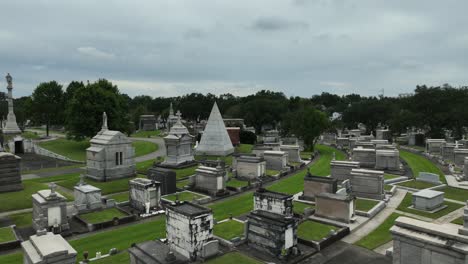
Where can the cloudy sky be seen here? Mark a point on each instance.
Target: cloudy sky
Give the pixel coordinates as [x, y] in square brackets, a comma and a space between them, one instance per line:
[299, 47]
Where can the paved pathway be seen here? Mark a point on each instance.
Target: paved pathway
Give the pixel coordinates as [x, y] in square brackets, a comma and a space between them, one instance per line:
[151, 156]
[368, 227]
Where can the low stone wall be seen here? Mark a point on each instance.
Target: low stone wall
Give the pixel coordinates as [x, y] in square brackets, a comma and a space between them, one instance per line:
[10, 245]
[106, 224]
[325, 242]
[44, 152]
[372, 212]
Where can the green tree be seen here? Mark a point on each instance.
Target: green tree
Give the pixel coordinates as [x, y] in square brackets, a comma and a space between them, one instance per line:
[47, 104]
[84, 110]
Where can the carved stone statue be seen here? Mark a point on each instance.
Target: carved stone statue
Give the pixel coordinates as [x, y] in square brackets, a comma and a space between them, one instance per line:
[9, 80]
[104, 121]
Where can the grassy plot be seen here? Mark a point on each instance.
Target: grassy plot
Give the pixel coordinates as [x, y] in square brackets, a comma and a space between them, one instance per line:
[272, 172]
[416, 184]
[229, 229]
[322, 166]
[146, 134]
[236, 206]
[306, 155]
[185, 172]
[458, 221]
[30, 135]
[13, 258]
[21, 219]
[183, 196]
[390, 176]
[109, 187]
[102, 216]
[380, 235]
[233, 258]
[236, 183]
[244, 148]
[365, 204]
[407, 202]
[311, 230]
[6, 235]
[144, 147]
[388, 187]
[419, 164]
[181, 184]
[456, 194]
[299, 207]
[119, 197]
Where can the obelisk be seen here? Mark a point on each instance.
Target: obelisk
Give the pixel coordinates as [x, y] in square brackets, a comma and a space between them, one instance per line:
[11, 127]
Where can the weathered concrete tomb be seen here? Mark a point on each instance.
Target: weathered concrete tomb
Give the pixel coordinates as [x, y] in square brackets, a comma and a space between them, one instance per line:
[294, 153]
[315, 185]
[335, 207]
[459, 156]
[178, 145]
[249, 167]
[144, 194]
[166, 178]
[367, 184]
[189, 230]
[48, 248]
[387, 159]
[271, 136]
[428, 200]
[342, 142]
[10, 176]
[416, 241]
[365, 157]
[148, 123]
[111, 155]
[276, 160]
[215, 140]
[210, 179]
[433, 145]
[273, 202]
[155, 252]
[447, 151]
[52, 206]
[383, 134]
[341, 169]
[87, 197]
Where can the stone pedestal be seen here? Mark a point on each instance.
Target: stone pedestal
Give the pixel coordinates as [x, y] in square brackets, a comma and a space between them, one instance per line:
[10, 176]
[11, 127]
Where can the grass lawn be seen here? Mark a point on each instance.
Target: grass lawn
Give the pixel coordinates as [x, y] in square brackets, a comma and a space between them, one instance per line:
[6, 235]
[311, 230]
[419, 164]
[146, 134]
[271, 172]
[236, 206]
[306, 155]
[233, 258]
[181, 184]
[185, 172]
[380, 235]
[390, 176]
[388, 187]
[456, 194]
[416, 184]
[227, 159]
[183, 196]
[458, 221]
[143, 166]
[229, 229]
[13, 258]
[299, 207]
[365, 204]
[102, 216]
[119, 197]
[21, 219]
[30, 135]
[109, 187]
[236, 183]
[76, 150]
[407, 201]
[244, 148]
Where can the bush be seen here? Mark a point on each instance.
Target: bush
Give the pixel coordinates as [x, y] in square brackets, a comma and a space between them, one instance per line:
[247, 137]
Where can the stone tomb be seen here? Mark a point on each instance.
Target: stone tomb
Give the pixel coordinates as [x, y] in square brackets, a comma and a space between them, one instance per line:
[387, 159]
[271, 136]
[259, 150]
[87, 197]
[166, 178]
[144, 194]
[448, 151]
[274, 202]
[210, 179]
[465, 169]
[276, 160]
[429, 177]
[294, 153]
[364, 144]
[53, 206]
[111, 155]
[342, 142]
[378, 142]
[148, 123]
[155, 252]
[383, 134]
[416, 241]
[315, 185]
[189, 230]
[341, 169]
[178, 144]
[367, 184]
[48, 248]
[10, 176]
[335, 207]
[433, 145]
[428, 200]
[365, 157]
[249, 167]
[459, 156]
[415, 139]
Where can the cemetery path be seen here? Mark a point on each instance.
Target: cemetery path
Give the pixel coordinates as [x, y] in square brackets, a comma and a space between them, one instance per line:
[151, 156]
[450, 216]
[42, 132]
[383, 248]
[375, 222]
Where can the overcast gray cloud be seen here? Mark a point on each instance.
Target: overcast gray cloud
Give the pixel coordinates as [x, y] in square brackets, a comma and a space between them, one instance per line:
[167, 48]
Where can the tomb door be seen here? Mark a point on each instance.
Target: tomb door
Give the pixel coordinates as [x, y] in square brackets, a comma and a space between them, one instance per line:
[54, 216]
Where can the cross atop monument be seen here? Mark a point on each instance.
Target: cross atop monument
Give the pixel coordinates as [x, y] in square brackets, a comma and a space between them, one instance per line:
[104, 121]
[82, 182]
[178, 114]
[9, 80]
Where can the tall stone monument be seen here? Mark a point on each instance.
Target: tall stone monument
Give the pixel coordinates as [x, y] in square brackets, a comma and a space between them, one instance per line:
[11, 127]
[215, 139]
[178, 145]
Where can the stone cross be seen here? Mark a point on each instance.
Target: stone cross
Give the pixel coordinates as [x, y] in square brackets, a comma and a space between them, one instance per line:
[41, 223]
[104, 121]
[82, 182]
[52, 187]
[178, 114]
